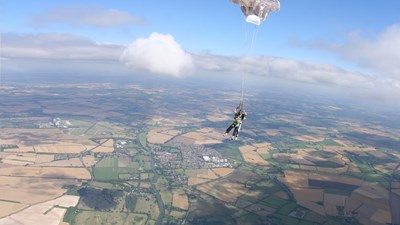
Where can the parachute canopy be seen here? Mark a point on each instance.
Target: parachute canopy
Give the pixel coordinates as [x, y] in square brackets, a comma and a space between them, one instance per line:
[256, 11]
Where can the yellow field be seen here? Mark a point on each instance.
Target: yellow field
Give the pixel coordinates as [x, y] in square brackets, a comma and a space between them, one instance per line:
[348, 180]
[308, 138]
[371, 131]
[74, 162]
[250, 155]
[144, 185]
[382, 216]
[205, 136]
[43, 158]
[28, 157]
[11, 135]
[222, 172]
[180, 199]
[370, 196]
[332, 199]
[32, 190]
[60, 148]
[330, 210]
[207, 174]
[194, 181]
[57, 172]
[6, 208]
[177, 214]
[107, 146]
[295, 179]
[16, 162]
[313, 207]
[303, 194]
[103, 149]
[372, 191]
[43, 213]
[218, 118]
[272, 132]
[161, 136]
[223, 190]
[166, 122]
[89, 160]
[353, 168]
[198, 176]
[21, 149]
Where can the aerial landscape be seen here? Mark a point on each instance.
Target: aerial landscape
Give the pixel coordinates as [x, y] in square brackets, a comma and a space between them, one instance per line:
[95, 155]
[97, 131]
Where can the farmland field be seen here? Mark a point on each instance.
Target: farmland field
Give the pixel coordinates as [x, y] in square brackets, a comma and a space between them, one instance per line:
[156, 154]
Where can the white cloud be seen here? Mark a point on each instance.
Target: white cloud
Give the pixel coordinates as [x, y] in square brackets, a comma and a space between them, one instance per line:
[294, 71]
[56, 46]
[379, 53]
[307, 72]
[159, 53]
[85, 15]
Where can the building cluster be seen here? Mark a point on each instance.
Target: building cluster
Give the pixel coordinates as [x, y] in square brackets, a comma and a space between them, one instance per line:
[120, 144]
[167, 159]
[59, 123]
[299, 212]
[177, 156]
[190, 157]
[215, 161]
[45, 125]
[7, 146]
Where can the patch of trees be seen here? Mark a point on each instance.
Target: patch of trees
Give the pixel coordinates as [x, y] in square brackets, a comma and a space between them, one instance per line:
[99, 199]
[130, 202]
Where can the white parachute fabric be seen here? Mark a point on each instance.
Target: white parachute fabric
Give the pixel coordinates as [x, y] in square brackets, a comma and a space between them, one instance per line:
[256, 11]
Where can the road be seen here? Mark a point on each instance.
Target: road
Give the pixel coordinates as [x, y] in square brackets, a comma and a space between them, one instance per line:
[156, 192]
[160, 202]
[394, 200]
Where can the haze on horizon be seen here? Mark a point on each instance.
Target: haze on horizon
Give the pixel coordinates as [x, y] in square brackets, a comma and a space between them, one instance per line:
[346, 48]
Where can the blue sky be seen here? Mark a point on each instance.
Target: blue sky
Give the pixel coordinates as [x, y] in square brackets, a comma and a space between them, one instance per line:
[332, 43]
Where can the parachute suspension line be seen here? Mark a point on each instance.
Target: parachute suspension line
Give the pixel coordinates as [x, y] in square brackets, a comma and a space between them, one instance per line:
[250, 49]
[246, 47]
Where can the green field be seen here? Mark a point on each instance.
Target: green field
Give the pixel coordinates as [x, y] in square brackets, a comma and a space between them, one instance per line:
[107, 170]
[70, 214]
[108, 162]
[106, 173]
[95, 217]
[166, 196]
[147, 205]
[229, 150]
[143, 139]
[136, 219]
[274, 202]
[286, 209]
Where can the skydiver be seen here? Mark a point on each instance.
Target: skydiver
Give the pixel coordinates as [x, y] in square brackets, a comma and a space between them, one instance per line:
[240, 116]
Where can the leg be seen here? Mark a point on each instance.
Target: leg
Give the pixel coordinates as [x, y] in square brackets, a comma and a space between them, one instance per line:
[229, 128]
[236, 132]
